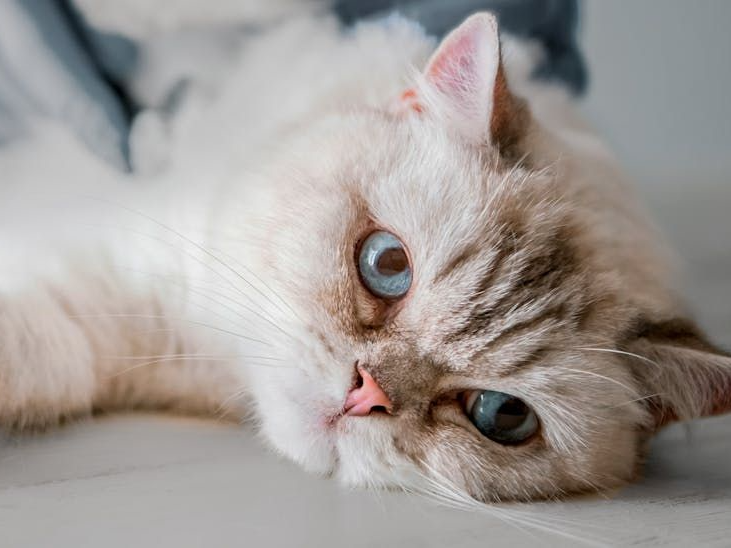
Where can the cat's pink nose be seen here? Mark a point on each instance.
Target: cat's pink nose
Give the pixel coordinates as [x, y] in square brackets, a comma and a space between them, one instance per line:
[367, 396]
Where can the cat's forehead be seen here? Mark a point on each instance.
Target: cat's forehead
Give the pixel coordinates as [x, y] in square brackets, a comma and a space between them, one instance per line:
[449, 202]
[467, 220]
[419, 180]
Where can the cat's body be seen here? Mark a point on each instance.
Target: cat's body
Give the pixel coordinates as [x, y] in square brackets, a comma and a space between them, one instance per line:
[230, 285]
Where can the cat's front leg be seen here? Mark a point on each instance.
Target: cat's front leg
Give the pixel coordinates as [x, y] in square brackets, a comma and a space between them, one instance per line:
[46, 362]
[65, 354]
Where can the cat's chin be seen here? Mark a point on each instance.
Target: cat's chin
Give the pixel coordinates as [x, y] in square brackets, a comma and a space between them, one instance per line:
[358, 451]
[368, 457]
[302, 416]
[310, 446]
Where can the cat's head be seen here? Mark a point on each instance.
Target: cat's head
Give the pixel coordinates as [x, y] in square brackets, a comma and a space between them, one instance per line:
[455, 312]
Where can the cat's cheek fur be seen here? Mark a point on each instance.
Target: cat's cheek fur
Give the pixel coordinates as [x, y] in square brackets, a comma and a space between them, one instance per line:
[369, 457]
[301, 418]
[294, 435]
[298, 399]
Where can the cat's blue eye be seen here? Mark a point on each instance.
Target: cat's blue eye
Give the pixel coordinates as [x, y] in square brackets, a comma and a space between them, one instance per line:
[501, 417]
[384, 265]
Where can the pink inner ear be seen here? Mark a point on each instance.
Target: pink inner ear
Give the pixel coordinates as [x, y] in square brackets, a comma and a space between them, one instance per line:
[464, 70]
[453, 71]
[464, 83]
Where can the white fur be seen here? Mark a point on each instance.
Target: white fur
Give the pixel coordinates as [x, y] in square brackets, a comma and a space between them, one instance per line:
[202, 264]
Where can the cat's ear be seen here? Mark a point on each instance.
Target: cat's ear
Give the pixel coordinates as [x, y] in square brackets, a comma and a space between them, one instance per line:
[683, 375]
[465, 83]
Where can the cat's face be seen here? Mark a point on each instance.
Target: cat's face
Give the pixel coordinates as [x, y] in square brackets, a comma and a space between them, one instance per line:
[465, 292]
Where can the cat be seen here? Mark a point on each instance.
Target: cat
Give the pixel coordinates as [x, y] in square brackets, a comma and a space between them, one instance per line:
[434, 281]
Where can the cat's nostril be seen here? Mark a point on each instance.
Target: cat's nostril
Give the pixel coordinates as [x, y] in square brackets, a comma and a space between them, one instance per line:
[366, 396]
[358, 378]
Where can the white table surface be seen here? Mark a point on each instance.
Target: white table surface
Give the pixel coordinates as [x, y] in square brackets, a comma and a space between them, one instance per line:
[156, 481]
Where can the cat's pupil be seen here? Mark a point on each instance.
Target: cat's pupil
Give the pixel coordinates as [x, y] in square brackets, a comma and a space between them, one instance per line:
[501, 417]
[392, 261]
[511, 414]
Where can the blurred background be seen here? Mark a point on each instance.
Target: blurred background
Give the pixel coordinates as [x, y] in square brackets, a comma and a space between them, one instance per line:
[660, 77]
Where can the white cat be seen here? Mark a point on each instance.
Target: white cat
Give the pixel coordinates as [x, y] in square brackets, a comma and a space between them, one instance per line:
[411, 280]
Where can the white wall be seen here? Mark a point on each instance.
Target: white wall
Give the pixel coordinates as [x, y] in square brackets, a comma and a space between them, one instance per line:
[661, 82]
[660, 94]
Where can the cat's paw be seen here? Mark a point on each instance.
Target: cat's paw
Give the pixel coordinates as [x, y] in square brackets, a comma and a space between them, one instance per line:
[45, 364]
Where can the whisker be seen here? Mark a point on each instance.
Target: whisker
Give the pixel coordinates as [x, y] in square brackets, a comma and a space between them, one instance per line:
[200, 248]
[636, 400]
[266, 285]
[150, 357]
[600, 376]
[164, 317]
[447, 494]
[194, 258]
[239, 393]
[445, 491]
[163, 360]
[621, 352]
[202, 292]
[204, 359]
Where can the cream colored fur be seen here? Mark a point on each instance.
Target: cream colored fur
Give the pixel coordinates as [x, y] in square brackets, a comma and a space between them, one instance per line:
[225, 284]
